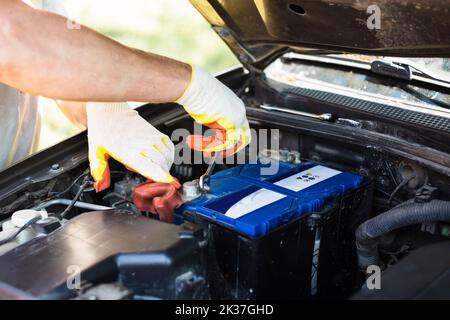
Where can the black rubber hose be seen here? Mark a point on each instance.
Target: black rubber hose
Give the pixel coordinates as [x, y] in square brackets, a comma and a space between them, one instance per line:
[406, 214]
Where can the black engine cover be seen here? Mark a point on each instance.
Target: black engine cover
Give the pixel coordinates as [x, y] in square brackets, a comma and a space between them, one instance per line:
[146, 256]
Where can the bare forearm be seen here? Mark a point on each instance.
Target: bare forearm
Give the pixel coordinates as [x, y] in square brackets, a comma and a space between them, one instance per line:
[74, 111]
[39, 54]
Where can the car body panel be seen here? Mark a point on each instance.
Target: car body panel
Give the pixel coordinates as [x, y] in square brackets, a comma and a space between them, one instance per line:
[256, 30]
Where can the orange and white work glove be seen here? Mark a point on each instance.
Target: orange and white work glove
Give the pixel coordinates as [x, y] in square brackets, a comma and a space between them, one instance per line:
[117, 131]
[211, 103]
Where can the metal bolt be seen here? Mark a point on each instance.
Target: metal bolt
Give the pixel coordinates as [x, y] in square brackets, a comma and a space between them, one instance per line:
[243, 57]
[224, 33]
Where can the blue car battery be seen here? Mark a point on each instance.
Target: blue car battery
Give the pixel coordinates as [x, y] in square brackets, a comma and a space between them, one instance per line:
[261, 233]
[253, 204]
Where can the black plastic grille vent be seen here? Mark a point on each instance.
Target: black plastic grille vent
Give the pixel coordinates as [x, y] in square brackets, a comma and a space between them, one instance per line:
[422, 119]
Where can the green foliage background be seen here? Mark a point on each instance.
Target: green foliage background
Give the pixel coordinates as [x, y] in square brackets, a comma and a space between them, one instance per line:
[168, 27]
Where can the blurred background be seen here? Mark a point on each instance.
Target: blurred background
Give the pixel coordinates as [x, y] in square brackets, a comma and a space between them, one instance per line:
[169, 27]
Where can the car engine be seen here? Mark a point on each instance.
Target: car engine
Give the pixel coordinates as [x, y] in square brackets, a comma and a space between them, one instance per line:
[311, 229]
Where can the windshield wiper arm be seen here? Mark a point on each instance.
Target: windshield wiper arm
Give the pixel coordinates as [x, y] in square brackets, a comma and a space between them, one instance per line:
[406, 70]
[391, 69]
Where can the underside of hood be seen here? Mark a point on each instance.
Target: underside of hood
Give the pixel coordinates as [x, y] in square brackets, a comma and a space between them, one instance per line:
[258, 29]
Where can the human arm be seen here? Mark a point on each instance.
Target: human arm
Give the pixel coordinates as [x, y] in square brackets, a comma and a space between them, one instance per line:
[40, 55]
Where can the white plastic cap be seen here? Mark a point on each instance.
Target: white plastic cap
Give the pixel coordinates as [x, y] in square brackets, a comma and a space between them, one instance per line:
[21, 217]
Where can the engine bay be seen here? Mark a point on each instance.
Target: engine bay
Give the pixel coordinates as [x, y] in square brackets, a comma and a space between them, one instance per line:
[309, 230]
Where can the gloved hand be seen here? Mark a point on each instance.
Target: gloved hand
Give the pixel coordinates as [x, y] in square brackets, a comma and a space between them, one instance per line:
[115, 130]
[211, 103]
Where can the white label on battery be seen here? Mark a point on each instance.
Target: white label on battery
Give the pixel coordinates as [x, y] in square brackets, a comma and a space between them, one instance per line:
[264, 197]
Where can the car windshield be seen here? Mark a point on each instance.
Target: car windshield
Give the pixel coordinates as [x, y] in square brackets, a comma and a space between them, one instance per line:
[350, 75]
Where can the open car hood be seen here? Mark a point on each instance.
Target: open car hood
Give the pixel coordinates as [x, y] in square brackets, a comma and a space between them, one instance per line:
[257, 30]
